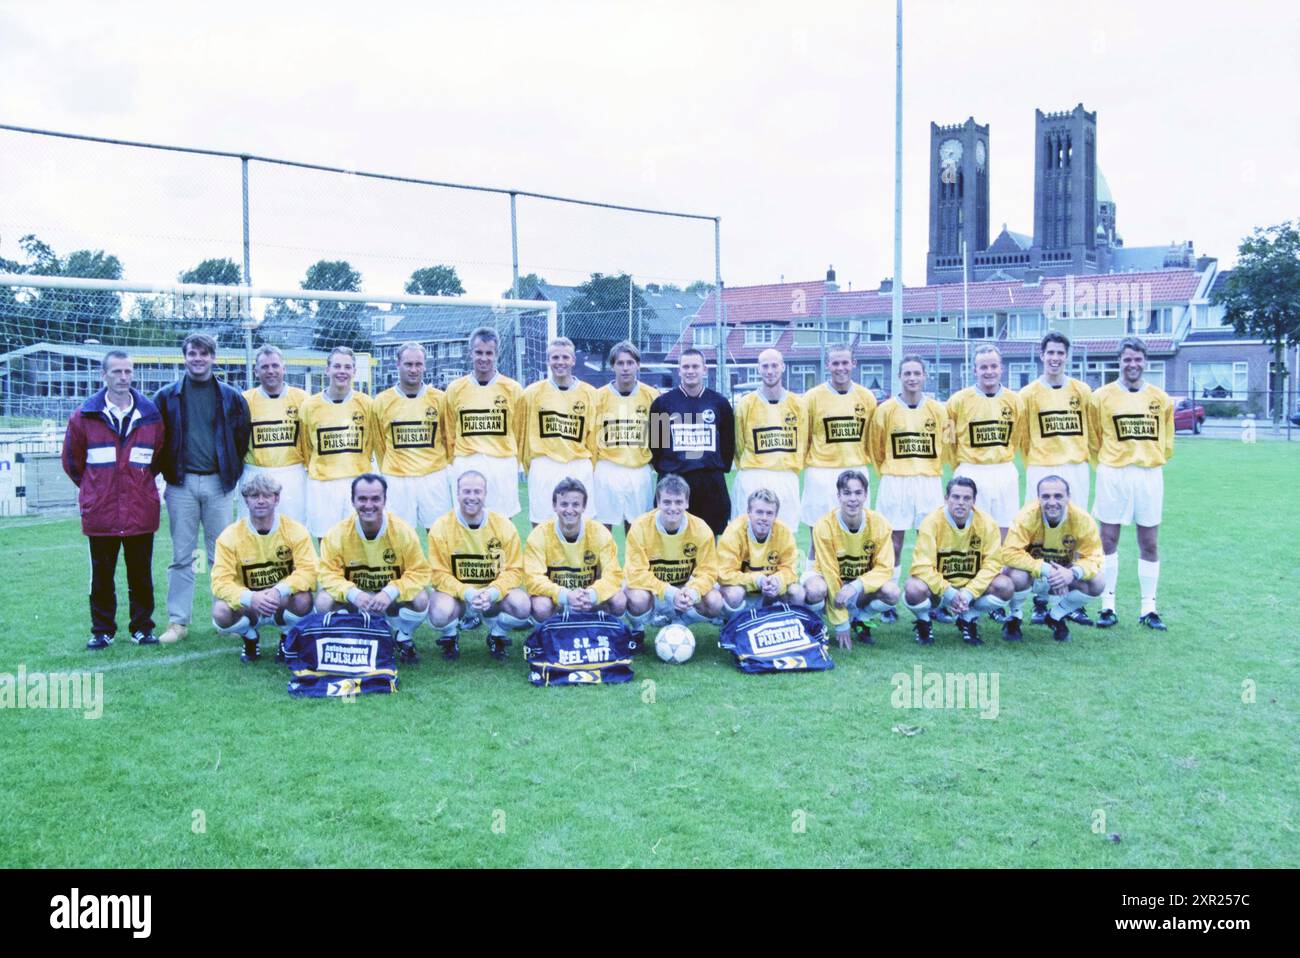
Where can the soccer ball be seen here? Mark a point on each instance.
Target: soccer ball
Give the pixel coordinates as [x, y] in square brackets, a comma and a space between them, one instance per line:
[675, 643]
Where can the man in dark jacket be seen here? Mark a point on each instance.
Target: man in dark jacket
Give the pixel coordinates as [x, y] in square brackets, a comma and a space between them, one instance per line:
[111, 452]
[208, 426]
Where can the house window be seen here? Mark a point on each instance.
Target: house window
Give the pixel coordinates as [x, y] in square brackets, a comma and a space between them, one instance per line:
[1218, 380]
[1020, 375]
[704, 335]
[980, 327]
[761, 334]
[803, 377]
[1027, 325]
[872, 375]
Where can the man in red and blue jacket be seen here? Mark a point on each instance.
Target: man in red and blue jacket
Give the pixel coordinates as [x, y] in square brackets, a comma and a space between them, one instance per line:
[112, 451]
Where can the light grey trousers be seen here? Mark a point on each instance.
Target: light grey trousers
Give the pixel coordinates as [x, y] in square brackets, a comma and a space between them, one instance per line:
[200, 499]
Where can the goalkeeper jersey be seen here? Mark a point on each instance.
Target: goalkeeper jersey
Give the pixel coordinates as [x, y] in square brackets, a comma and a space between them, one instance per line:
[1132, 428]
[844, 555]
[945, 556]
[409, 438]
[1074, 541]
[484, 418]
[839, 426]
[249, 561]
[553, 564]
[486, 557]
[771, 435]
[659, 560]
[338, 441]
[277, 438]
[910, 440]
[622, 425]
[1057, 428]
[742, 559]
[986, 429]
[393, 557]
[559, 422]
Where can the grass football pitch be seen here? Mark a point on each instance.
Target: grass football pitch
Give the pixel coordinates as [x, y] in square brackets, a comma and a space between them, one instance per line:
[1123, 748]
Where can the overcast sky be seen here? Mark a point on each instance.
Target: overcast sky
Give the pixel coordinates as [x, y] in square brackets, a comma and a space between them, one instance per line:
[776, 117]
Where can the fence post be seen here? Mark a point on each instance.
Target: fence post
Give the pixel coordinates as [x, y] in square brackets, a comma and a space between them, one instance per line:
[514, 288]
[717, 308]
[245, 302]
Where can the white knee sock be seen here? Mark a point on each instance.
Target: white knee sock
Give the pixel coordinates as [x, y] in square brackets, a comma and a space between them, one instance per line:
[1109, 577]
[818, 607]
[1017, 608]
[503, 622]
[691, 616]
[877, 606]
[405, 623]
[1148, 579]
[240, 627]
[1066, 604]
[921, 610]
[985, 603]
[637, 623]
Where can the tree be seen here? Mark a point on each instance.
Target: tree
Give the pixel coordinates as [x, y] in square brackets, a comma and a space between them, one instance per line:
[214, 272]
[700, 286]
[435, 281]
[221, 315]
[337, 324]
[528, 287]
[599, 314]
[65, 315]
[1261, 297]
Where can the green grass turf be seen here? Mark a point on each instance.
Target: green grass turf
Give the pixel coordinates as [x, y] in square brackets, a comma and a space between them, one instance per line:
[469, 765]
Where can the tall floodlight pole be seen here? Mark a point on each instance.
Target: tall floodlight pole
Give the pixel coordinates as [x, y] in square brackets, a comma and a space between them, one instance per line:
[896, 340]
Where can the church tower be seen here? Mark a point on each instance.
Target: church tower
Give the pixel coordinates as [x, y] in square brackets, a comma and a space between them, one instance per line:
[1065, 189]
[959, 197]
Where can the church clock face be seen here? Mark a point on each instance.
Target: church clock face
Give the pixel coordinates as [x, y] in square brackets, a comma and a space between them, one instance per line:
[980, 155]
[949, 158]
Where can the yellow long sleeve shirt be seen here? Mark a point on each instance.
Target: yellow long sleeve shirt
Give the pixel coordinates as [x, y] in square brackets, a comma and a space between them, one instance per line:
[1031, 543]
[277, 438]
[843, 556]
[771, 435]
[910, 441]
[409, 434]
[553, 565]
[986, 429]
[839, 426]
[338, 435]
[392, 561]
[622, 425]
[661, 562]
[469, 560]
[559, 423]
[1133, 428]
[1057, 425]
[946, 557]
[249, 561]
[486, 419]
[743, 560]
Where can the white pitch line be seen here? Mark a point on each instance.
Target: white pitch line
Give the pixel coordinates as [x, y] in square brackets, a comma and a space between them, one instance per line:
[83, 665]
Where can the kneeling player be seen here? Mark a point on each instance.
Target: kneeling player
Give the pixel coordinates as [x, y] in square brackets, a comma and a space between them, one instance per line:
[264, 570]
[372, 562]
[956, 564]
[756, 558]
[571, 563]
[854, 550]
[672, 565]
[1052, 548]
[478, 564]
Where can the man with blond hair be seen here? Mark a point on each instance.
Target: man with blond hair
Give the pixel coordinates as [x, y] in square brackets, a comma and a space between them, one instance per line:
[559, 433]
[277, 441]
[411, 442]
[339, 442]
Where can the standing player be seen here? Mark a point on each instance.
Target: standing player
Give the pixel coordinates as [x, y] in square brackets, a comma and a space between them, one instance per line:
[987, 422]
[1133, 422]
[839, 416]
[571, 563]
[910, 438]
[771, 441]
[672, 565]
[411, 444]
[484, 427]
[956, 564]
[693, 436]
[624, 482]
[756, 558]
[855, 562]
[265, 569]
[559, 434]
[276, 444]
[372, 562]
[337, 425]
[478, 564]
[1052, 548]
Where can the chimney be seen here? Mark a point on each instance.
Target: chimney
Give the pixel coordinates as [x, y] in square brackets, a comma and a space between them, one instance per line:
[1032, 277]
[830, 279]
[887, 285]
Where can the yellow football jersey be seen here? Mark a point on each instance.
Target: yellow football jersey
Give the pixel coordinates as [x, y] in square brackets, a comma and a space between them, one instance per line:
[910, 440]
[839, 426]
[486, 419]
[683, 559]
[409, 436]
[338, 440]
[1057, 425]
[1031, 542]
[559, 423]
[622, 425]
[986, 429]
[393, 557]
[277, 438]
[771, 435]
[553, 564]
[842, 556]
[488, 557]
[742, 559]
[968, 558]
[1132, 428]
[249, 561]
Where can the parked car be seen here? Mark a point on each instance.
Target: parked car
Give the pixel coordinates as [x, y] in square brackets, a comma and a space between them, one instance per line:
[1188, 415]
